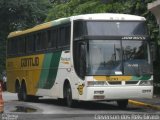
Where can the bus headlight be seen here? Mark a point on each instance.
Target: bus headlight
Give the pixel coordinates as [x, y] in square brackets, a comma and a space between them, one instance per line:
[96, 83]
[146, 83]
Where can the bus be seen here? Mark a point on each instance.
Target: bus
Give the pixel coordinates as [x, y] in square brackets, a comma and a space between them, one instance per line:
[90, 57]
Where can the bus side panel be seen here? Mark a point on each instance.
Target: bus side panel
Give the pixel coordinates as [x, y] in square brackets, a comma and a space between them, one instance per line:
[66, 72]
[33, 71]
[26, 68]
[13, 72]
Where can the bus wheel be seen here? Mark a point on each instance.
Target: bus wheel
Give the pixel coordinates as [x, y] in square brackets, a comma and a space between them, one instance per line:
[18, 91]
[69, 100]
[24, 92]
[122, 104]
[32, 98]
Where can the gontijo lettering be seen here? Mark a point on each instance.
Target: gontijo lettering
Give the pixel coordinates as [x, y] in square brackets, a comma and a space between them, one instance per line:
[29, 62]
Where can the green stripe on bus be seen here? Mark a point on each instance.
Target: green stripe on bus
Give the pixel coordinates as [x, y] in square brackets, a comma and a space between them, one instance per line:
[53, 70]
[45, 69]
[49, 70]
[143, 77]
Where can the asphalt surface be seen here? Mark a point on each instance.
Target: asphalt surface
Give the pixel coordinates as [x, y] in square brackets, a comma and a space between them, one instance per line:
[49, 109]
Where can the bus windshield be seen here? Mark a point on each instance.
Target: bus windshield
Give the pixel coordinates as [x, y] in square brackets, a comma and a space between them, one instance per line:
[109, 57]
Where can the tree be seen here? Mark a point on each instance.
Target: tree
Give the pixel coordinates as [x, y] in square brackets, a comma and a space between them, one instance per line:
[19, 15]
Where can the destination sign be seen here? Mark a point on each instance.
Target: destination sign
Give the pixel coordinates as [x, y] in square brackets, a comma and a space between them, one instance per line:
[133, 38]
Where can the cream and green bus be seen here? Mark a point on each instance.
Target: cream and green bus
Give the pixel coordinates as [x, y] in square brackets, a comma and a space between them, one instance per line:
[92, 57]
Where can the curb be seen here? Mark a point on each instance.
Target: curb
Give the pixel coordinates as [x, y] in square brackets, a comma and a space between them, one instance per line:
[137, 103]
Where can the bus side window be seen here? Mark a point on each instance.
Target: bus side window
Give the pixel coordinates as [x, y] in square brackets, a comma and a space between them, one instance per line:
[49, 39]
[41, 41]
[52, 38]
[21, 46]
[44, 40]
[38, 43]
[14, 46]
[67, 35]
[9, 47]
[30, 44]
[61, 40]
[64, 36]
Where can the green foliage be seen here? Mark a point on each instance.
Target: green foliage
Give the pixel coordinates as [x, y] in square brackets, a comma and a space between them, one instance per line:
[18, 15]
[21, 14]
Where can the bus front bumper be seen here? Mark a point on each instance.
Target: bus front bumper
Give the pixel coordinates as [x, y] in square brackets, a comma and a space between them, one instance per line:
[116, 93]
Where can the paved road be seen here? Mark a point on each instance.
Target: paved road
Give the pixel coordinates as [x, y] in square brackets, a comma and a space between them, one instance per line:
[49, 109]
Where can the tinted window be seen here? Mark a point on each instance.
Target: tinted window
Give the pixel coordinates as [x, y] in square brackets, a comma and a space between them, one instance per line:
[49, 39]
[38, 41]
[64, 36]
[9, 47]
[44, 40]
[30, 44]
[21, 45]
[67, 34]
[61, 41]
[109, 28]
[14, 46]
[52, 38]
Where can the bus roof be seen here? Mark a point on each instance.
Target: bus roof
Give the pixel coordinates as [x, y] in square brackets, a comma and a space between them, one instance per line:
[109, 16]
[98, 16]
[39, 27]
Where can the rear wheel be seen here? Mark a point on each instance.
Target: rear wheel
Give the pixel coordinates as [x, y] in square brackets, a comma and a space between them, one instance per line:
[18, 91]
[24, 96]
[24, 92]
[32, 98]
[122, 103]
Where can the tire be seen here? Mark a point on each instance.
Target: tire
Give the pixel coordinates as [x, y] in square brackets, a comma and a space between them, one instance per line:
[18, 91]
[19, 94]
[69, 101]
[32, 98]
[122, 104]
[24, 92]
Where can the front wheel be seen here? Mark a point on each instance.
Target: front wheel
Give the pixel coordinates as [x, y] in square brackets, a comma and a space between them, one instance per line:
[69, 96]
[70, 102]
[122, 104]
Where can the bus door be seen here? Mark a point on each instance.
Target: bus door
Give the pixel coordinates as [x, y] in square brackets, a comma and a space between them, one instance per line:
[80, 65]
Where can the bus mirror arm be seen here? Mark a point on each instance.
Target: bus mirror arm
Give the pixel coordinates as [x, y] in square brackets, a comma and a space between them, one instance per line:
[153, 49]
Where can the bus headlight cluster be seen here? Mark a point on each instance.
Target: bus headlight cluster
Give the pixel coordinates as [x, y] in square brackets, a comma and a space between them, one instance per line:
[146, 83]
[96, 83]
